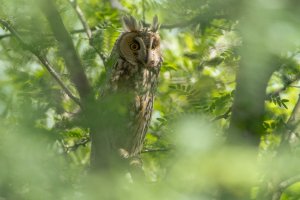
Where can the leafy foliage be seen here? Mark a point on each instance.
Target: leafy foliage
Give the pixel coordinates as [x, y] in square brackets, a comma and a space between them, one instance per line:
[45, 143]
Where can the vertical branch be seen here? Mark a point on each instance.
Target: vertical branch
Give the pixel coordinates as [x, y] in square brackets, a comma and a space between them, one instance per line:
[295, 115]
[291, 124]
[256, 68]
[67, 49]
[81, 18]
[143, 4]
[101, 156]
[86, 28]
[249, 104]
[283, 152]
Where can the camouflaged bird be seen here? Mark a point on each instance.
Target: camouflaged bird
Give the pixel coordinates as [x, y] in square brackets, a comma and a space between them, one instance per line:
[136, 60]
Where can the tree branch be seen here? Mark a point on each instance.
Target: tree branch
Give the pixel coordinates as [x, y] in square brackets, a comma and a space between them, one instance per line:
[86, 27]
[295, 113]
[183, 24]
[81, 142]
[68, 52]
[155, 150]
[5, 36]
[291, 124]
[42, 59]
[81, 17]
[199, 19]
[288, 84]
[223, 116]
[75, 31]
[268, 96]
[284, 185]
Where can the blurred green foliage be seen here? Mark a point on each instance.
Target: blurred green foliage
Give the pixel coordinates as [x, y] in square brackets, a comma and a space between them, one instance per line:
[44, 148]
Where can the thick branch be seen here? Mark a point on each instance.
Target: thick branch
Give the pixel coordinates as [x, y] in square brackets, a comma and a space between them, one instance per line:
[67, 48]
[42, 59]
[248, 108]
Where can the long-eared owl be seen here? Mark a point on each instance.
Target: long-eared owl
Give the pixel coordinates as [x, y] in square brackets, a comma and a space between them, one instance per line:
[136, 60]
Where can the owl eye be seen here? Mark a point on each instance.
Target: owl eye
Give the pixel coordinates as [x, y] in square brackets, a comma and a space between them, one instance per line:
[134, 46]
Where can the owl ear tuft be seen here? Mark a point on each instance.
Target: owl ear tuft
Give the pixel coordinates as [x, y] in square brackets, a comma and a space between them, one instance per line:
[131, 24]
[155, 25]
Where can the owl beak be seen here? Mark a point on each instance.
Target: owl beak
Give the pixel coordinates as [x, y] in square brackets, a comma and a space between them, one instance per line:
[149, 54]
[146, 57]
[149, 60]
[145, 54]
[143, 57]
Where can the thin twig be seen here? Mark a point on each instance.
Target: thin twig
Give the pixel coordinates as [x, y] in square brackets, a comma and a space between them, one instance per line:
[5, 36]
[223, 116]
[155, 150]
[86, 27]
[81, 17]
[83, 142]
[183, 24]
[294, 86]
[287, 85]
[75, 31]
[284, 185]
[143, 7]
[42, 59]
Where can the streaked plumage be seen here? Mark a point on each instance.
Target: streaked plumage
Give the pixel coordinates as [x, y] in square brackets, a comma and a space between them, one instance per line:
[136, 64]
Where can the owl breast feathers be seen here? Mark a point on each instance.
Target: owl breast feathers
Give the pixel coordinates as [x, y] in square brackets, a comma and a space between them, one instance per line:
[137, 59]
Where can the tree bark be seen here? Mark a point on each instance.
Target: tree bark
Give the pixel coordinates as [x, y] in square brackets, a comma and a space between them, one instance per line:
[101, 157]
[246, 124]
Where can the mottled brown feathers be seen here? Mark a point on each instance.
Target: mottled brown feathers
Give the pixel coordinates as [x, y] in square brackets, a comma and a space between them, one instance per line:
[136, 70]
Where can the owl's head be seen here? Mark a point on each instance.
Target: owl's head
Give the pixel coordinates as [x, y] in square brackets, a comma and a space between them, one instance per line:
[138, 45]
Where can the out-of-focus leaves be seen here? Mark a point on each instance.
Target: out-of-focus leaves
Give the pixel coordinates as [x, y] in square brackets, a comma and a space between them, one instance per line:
[45, 145]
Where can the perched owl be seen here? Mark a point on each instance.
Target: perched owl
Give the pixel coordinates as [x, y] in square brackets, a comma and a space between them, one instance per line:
[134, 68]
